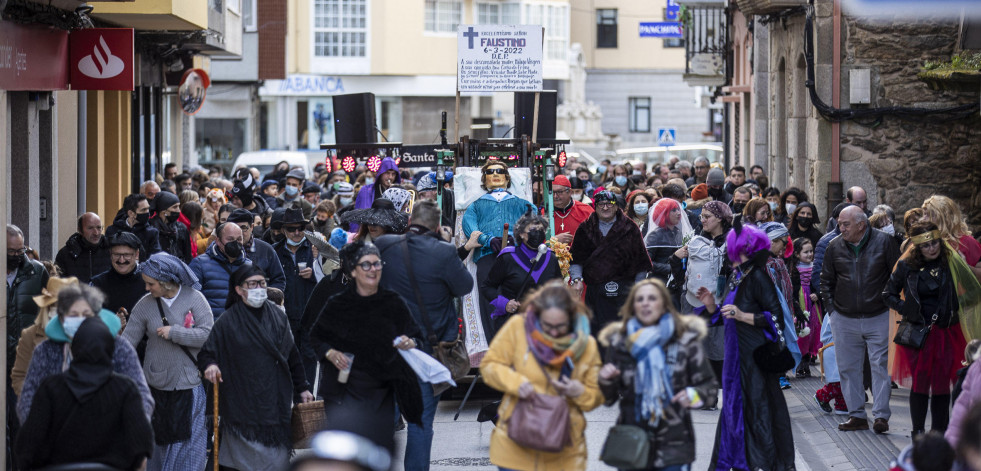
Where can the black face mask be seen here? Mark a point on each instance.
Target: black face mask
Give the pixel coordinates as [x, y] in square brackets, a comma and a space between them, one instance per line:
[717, 194]
[172, 217]
[535, 238]
[233, 250]
[142, 219]
[804, 222]
[737, 208]
[278, 237]
[14, 261]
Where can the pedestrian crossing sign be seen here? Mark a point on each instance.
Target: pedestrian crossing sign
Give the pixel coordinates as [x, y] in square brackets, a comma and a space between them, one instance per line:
[665, 136]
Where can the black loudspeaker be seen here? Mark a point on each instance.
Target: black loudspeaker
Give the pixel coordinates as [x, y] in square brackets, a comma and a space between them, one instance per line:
[524, 113]
[354, 118]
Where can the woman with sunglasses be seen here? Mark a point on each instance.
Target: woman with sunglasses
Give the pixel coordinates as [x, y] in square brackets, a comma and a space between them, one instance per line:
[356, 337]
[930, 286]
[251, 354]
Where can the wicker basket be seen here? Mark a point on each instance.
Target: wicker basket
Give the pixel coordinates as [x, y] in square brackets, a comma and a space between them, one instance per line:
[308, 419]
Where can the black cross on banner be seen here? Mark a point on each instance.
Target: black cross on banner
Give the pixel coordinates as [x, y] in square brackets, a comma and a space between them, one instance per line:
[470, 34]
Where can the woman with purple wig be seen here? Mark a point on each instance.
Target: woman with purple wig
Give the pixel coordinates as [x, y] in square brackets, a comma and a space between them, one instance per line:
[754, 429]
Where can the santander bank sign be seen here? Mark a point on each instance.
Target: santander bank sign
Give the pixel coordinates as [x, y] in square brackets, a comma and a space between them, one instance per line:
[101, 59]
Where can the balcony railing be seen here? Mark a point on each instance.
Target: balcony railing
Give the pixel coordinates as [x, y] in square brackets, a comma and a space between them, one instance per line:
[706, 44]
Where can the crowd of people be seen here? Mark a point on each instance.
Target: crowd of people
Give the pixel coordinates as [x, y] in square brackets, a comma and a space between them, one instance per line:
[656, 287]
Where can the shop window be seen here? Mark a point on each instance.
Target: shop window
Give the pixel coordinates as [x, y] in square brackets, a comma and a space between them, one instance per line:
[606, 28]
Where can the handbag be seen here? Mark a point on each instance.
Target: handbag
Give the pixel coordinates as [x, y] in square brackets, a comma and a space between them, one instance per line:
[453, 355]
[913, 335]
[774, 357]
[307, 418]
[541, 422]
[627, 447]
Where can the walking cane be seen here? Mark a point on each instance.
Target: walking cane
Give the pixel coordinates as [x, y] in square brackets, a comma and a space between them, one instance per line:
[215, 421]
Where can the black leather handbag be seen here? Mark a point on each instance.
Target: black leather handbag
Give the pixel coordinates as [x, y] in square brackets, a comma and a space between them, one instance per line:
[913, 335]
[627, 447]
[774, 357]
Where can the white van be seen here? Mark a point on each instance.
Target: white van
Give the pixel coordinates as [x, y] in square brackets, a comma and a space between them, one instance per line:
[266, 160]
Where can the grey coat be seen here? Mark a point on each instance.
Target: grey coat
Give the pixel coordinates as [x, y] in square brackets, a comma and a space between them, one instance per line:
[166, 365]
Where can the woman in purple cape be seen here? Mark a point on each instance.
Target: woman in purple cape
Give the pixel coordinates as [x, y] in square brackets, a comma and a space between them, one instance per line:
[754, 426]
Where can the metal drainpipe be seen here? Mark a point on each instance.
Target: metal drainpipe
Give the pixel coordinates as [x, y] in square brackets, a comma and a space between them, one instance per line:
[835, 186]
[82, 142]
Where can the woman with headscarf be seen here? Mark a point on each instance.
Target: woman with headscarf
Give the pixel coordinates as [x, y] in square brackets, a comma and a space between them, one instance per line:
[355, 333]
[754, 430]
[668, 230]
[53, 356]
[32, 336]
[380, 219]
[519, 269]
[658, 370]
[87, 414]
[251, 353]
[176, 320]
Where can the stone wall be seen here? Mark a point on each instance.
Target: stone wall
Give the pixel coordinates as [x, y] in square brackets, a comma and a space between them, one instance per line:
[899, 162]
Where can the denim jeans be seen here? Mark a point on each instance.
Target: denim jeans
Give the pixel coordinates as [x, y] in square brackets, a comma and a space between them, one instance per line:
[419, 443]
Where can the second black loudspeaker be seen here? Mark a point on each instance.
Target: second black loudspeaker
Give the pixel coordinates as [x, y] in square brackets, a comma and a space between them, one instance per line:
[354, 118]
[524, 113]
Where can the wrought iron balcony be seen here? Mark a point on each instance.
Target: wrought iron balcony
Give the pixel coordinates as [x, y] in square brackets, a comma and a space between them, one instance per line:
[706, 43]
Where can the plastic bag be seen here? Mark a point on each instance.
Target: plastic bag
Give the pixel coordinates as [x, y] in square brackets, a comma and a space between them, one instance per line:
[426, 367]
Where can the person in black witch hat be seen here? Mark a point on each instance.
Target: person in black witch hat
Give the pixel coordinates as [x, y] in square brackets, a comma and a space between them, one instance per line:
[87, 414]
[518, 270]
[380, 219]
[296, 256]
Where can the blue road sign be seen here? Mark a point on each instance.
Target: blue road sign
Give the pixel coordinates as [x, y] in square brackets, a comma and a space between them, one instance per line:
[672, 11]
[668, 29]
[665, 136]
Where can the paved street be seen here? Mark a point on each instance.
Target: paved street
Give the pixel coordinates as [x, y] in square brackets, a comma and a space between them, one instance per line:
[820, 446]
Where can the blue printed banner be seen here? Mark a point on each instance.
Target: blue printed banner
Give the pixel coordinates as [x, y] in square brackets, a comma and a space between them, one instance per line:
[668, 29]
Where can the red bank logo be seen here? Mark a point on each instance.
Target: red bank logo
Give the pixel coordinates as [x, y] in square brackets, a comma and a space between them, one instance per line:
[102, 59]
[101, 64]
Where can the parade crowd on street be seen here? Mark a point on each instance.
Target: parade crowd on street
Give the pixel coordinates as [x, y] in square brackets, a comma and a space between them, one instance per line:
[656, 290]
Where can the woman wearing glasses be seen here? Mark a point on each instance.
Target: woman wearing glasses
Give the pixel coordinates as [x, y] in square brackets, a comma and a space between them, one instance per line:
[935, 284]
[356, 337]
[176, 319]
[251, 353]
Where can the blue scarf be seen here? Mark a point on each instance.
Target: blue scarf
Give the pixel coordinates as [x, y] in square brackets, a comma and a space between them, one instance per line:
[652, 383]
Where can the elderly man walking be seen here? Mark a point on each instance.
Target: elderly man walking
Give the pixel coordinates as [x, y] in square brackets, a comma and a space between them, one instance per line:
[857, 265]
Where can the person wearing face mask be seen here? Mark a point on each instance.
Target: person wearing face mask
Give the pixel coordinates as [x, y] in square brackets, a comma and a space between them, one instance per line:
[291, 196]
[258, 251]
[789, 200]
[176, 320]
[569, 213]
[215, 266]
[518, 270]
[772, 197]
[252, 355]
[296, 257]
[638, 205]
[274, 233]
[243, 196]
[134, 217]
[53, 356]
[26, 278]
[175, 239]
[581, 189]
[804, 222]
[658, 371]
[882, 219]
[740, 196]
[621, 179]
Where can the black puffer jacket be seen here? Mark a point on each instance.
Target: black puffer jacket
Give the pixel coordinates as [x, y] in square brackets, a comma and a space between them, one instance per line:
[852, 285]
[31, 278]
[81, 259]
[174, 238]
[673, 440]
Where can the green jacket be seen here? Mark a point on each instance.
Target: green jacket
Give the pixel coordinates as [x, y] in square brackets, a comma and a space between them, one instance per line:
[21, 308]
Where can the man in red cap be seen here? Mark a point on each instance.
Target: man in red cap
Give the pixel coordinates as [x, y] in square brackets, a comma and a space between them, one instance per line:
[569, 214]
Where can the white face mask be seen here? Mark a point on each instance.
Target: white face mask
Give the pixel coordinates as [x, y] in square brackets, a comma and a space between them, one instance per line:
[71, 325]
[773, 205]
[640, 208]
[345, 201]
[889, 229]
[791, 207]
[256, 297]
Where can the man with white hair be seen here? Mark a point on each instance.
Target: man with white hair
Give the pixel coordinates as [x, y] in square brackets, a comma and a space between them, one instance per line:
[857, 265]
[701, 171]
[149, 189]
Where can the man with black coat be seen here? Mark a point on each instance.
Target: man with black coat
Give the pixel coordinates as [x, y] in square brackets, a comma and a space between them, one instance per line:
[134, 217]
[857, 266]
[122, 285]
[260, 252]
[608, 257]
[86, 253]
[440, 277]
[296, 257]
[174, 237]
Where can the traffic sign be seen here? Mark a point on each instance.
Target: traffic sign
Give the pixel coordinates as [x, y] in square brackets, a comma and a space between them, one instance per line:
[671, 12]
[665, 136]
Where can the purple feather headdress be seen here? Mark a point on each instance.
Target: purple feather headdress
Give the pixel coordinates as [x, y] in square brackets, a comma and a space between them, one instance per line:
[745, 240]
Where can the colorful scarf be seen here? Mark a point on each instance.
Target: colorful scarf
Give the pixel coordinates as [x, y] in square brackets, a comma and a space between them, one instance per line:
[555, 350]
[652, 383]
[968, 294]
